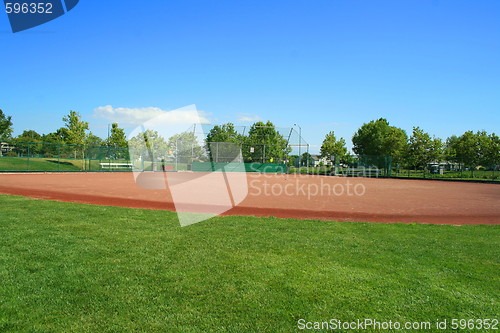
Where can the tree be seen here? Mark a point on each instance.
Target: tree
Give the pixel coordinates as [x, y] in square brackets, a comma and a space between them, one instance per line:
[59, 136]
[223, 143]
[149, 145]
[5, 126]
[306, 159]
[422, 149]
[117, 137]
[378, 138]
[474, 149]
[449, 151]
[76, 133]
[333, 147]
[264, 143]
[224, 133]
[185, 147]
[29, 136]
[467, 149]
[30, 142]
[117, 143]
[492, 151]
[471, 149]
[93, 140]
[52, 143]
[293, 160]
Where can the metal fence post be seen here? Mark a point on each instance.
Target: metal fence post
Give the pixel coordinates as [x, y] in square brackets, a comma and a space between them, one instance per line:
[58, 157]
[29, 157]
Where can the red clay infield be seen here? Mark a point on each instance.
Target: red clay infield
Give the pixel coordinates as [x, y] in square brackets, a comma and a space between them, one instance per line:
[291, 196]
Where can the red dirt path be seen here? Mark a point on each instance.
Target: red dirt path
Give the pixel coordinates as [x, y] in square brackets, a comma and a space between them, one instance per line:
[382, 200]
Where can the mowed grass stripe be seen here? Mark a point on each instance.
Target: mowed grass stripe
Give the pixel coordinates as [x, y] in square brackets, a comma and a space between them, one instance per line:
[76, 267]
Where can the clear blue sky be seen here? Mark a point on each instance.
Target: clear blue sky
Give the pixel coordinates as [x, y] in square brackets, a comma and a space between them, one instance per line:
[326, 65]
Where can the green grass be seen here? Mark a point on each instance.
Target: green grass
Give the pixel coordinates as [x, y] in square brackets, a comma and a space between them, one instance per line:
[74, 267]
[481, 175]
[39, 164]
[55, 164]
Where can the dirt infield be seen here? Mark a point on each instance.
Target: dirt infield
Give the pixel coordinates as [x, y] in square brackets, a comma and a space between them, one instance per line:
[290, 196]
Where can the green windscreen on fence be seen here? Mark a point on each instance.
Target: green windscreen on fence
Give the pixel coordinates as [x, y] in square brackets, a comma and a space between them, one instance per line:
[239, 167]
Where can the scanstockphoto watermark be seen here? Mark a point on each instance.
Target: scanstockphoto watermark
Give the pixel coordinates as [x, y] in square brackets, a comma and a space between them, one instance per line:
[291, 187]
[27, 14]
[370, 324]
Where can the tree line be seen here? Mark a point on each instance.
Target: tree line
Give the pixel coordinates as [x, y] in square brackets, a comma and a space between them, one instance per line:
[74, 132]
[379, 138]
[264, 143]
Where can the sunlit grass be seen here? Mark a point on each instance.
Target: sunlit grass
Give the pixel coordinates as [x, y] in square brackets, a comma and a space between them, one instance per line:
[76, 267]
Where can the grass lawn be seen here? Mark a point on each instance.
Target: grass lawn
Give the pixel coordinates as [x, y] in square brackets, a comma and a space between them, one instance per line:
[55, 164]
[38, 164]
[74, 267]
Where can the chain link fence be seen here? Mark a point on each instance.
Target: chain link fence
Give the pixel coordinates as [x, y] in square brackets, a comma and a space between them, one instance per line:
[18, 156]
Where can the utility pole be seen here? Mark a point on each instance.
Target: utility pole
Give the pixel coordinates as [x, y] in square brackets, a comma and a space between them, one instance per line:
[108, 133]
[300, 143]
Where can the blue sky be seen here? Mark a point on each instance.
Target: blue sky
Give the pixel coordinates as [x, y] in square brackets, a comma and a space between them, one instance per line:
[326, 65]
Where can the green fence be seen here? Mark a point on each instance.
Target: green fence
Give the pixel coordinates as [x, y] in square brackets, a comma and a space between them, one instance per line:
[385, 166]
[18, 156]
[239, 167]
[458, 173]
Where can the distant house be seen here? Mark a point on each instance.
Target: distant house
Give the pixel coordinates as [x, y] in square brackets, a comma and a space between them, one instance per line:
[5, 148]
[319, 161]
[439, 167]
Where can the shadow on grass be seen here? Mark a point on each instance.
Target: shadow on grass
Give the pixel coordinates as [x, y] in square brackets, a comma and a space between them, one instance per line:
[59, 162]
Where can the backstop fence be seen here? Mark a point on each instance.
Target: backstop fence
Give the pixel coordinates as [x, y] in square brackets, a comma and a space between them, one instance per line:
[206, 147]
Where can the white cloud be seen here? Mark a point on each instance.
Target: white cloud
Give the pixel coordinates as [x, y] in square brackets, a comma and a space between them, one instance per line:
[248, 117]
[136, 116]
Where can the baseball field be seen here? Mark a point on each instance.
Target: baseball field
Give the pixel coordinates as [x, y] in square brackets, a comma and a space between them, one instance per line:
[114, 258]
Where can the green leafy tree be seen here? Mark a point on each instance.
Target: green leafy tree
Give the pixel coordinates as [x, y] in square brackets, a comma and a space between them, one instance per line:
[492, 151]
[186, 148]
[29, 143]
[76, 133]
[52, 146]
[449, 151]
[422, 149]
[77, 129]
[93, 140]
[466, 148]
[224, 133]
[306, 159]
[117, 143]
[5, 126]
[29, 136]
[59, 136]
[332, 147]
[265, 144]
[117, 137]
[293, 160]
[474, 149]
[149, 146]
[378, 138]
[223, 143]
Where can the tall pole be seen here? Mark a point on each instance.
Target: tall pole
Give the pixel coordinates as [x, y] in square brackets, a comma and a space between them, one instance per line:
[300, 143]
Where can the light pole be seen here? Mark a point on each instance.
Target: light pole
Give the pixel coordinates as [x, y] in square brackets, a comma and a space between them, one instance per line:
[300, 143]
